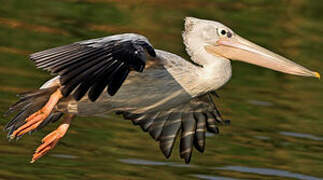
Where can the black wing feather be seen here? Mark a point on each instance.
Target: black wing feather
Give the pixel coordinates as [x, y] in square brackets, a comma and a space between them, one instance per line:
[169, 133]
[90, 66]
[69, 86]
[117, 80]
[199, 137]
[88, 82]
[157, 126]
[186, 143]
[99, 86]
[87, 68]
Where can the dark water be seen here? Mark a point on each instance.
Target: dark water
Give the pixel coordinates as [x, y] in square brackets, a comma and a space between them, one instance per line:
[276, 119]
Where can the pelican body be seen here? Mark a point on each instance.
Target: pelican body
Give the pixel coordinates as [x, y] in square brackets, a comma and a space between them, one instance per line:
[161, 92]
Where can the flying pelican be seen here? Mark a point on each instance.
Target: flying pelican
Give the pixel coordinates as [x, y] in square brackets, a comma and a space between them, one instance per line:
[161, 92]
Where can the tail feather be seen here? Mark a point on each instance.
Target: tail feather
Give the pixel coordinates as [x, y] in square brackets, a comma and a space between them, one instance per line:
[29, 103]
[21, 104]
[37, 93]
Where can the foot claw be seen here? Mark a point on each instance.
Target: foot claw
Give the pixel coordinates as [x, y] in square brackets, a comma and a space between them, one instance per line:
[48, 144]
[40, 154]
[50, 141]
[30, 125]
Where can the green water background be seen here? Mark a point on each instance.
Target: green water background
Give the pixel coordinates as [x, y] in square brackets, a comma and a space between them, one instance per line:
[261, 103]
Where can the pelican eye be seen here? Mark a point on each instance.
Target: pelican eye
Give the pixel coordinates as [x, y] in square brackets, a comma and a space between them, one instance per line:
[223, 32]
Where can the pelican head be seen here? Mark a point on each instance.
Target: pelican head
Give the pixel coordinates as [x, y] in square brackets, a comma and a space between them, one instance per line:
[220, 41]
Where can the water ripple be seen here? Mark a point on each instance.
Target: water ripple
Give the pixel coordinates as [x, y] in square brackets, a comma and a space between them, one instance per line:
[260, 103]
[153, 163]
[270, 172]
[301, 135]
[202, 176]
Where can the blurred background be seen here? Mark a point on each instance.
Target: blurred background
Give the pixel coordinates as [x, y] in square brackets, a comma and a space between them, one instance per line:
[276, 119]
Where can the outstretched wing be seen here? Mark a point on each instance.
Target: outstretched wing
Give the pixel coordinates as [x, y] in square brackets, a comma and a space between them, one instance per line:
[90, 66]
[191, 121]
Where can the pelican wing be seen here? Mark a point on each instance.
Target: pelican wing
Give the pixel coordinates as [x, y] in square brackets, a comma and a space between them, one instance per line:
[189, 121]
[90, 66]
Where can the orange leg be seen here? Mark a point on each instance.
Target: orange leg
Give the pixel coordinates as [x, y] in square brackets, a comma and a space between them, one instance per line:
[35, 119]
[51, 139]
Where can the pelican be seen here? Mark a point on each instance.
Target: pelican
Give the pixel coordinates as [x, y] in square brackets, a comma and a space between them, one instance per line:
[161, 92]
